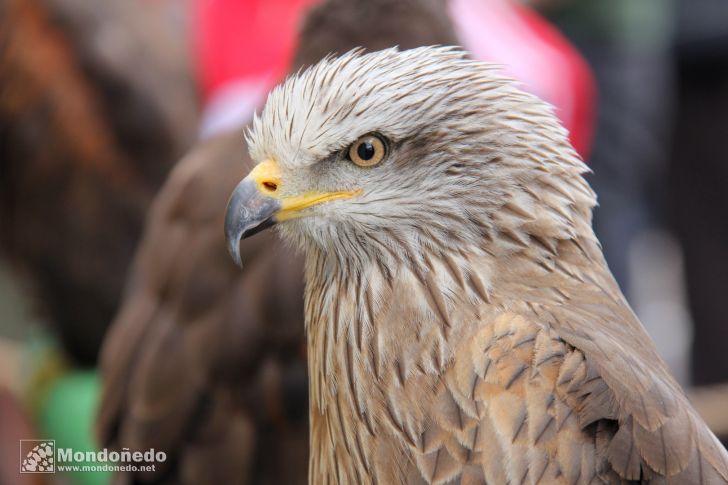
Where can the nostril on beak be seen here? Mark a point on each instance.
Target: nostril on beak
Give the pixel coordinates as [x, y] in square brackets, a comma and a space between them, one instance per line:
[270, 186]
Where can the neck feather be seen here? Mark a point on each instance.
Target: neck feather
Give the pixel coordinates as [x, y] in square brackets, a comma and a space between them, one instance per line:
[398, 307]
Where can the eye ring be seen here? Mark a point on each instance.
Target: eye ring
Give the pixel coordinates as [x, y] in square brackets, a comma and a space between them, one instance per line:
[368, 150]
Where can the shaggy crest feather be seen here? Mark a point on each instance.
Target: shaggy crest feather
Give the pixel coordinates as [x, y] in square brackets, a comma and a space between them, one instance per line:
[439, 99]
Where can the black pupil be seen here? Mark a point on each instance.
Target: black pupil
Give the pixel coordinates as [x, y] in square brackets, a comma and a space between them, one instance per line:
[365, 150]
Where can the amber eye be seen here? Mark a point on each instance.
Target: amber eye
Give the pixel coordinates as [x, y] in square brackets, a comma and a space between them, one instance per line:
[367, 151]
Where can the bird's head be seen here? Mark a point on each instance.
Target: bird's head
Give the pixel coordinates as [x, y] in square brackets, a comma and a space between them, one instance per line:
[386, 154]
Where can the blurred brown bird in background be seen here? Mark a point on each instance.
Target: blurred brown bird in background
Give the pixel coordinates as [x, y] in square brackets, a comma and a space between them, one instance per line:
[96, 104]
[202, 361]
[462, 323]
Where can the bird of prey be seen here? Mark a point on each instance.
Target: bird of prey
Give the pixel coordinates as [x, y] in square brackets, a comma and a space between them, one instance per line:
[462, 324]
[203, 361]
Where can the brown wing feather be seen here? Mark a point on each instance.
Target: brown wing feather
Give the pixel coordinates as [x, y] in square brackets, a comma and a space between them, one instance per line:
[629, 382]
[571, 390]
[511, 410]
[200, 353]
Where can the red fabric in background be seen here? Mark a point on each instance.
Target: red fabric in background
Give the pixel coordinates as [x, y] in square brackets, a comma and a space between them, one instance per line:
[236, 39]
[533, 52]
[576, 79]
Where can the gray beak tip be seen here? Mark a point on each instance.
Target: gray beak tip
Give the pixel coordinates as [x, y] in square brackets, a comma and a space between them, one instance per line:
[234, 250]
[248, 212]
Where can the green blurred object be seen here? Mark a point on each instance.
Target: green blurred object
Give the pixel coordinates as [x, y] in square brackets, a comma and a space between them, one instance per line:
[67, 416]
[628, 23]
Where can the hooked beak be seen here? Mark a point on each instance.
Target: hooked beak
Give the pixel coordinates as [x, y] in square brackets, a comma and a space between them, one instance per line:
[248, 212]
[256, 204]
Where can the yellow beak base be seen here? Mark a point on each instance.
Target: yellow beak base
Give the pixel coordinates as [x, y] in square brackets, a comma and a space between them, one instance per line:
[267, 178]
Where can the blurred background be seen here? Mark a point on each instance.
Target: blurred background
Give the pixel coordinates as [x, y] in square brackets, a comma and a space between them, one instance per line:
[124, 324]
